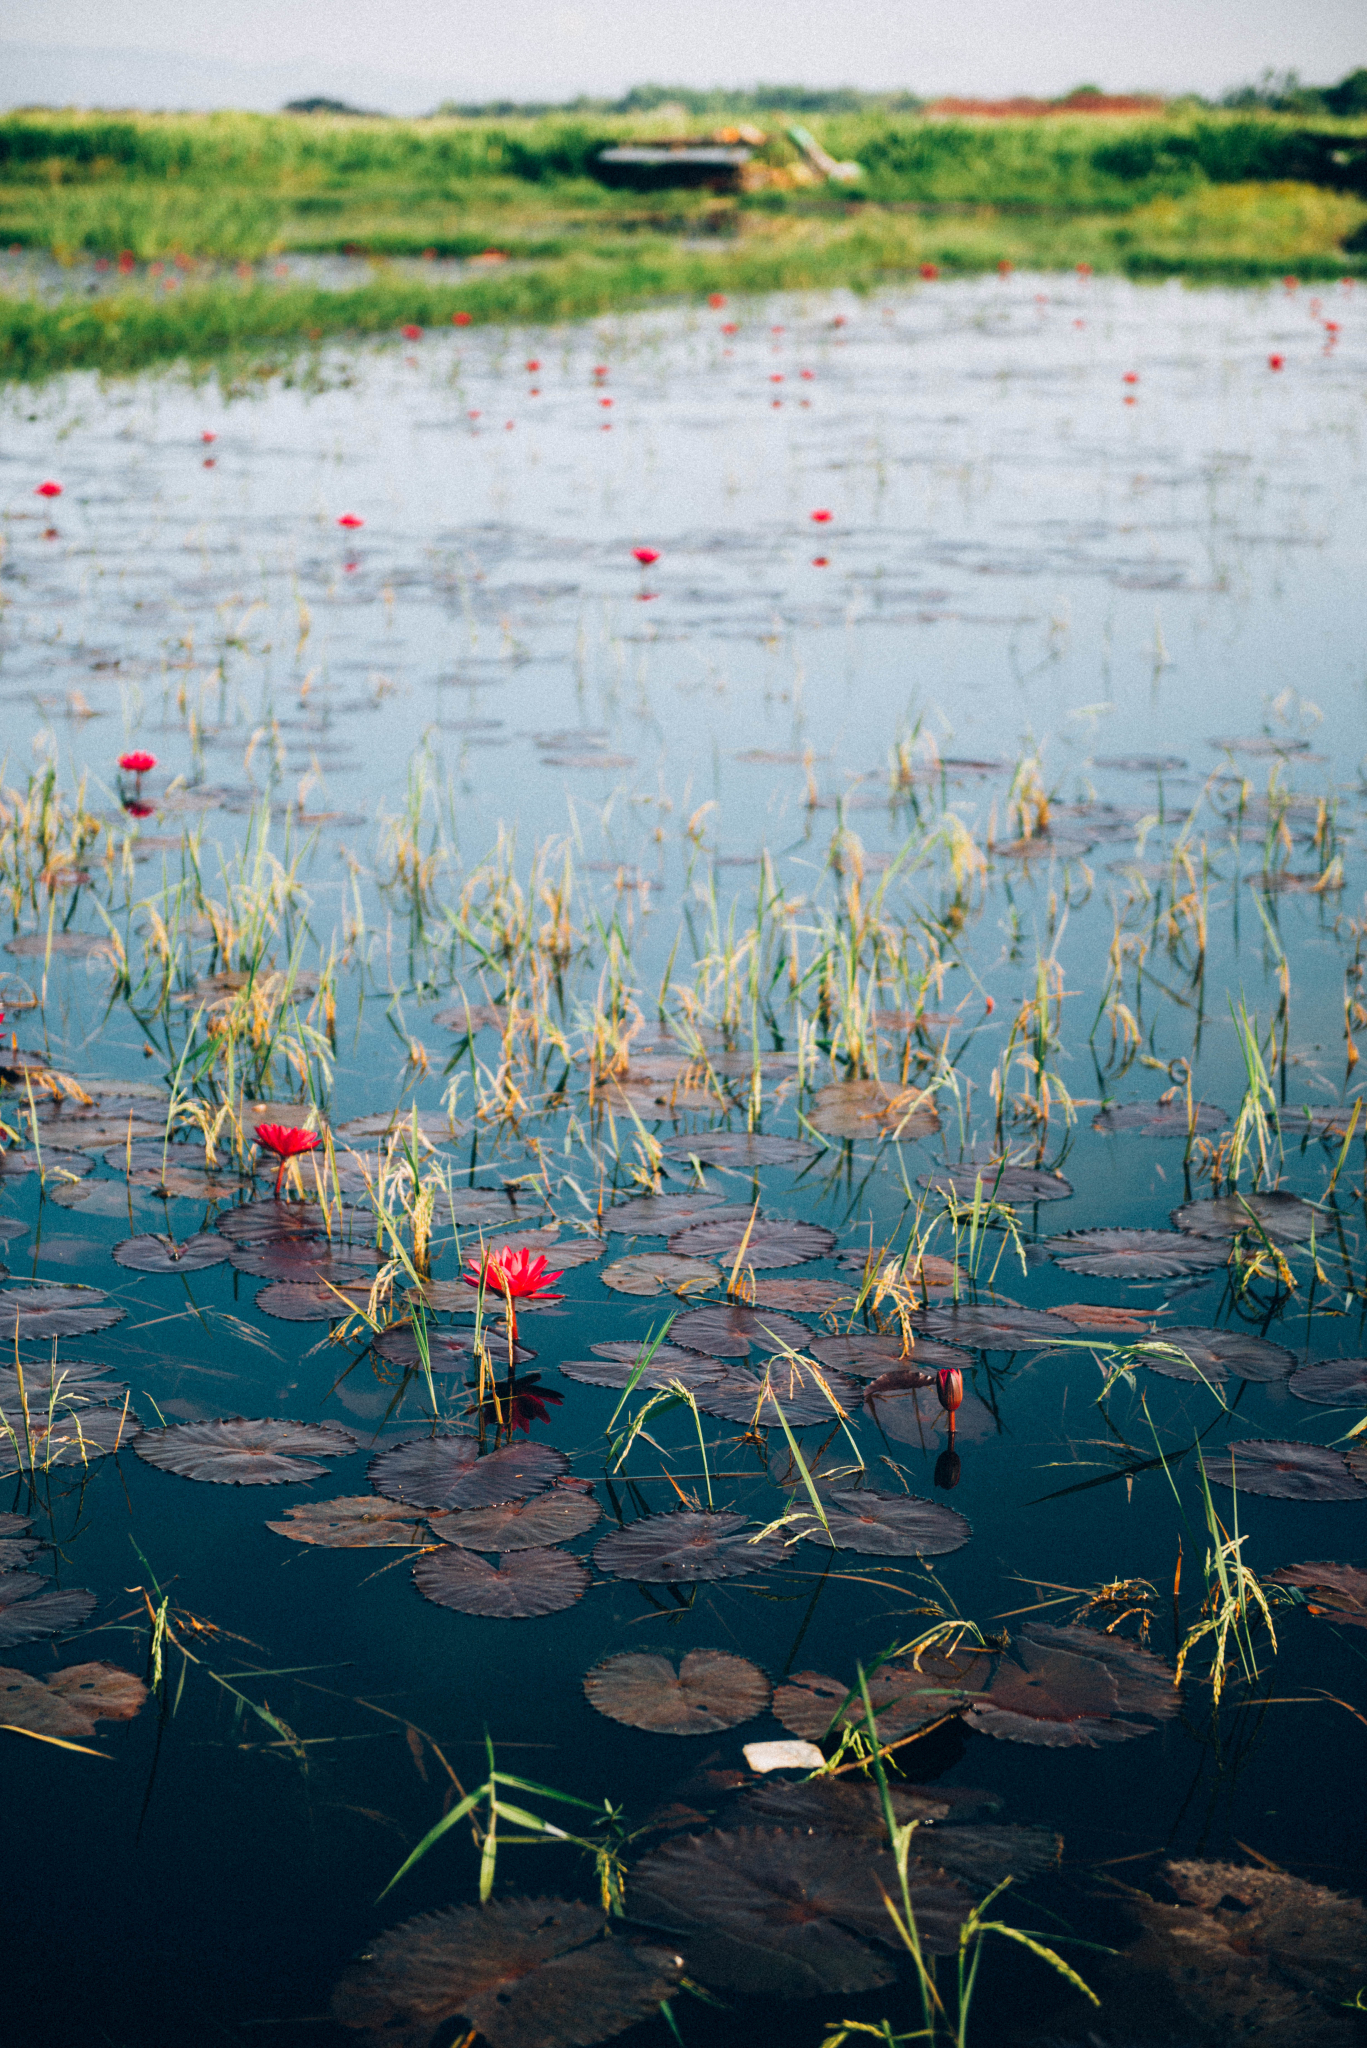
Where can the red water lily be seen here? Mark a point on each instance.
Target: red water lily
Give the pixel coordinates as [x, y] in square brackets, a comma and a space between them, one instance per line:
[514, 1276]
[533, 365]
[460, 319]
[350, 520]
[645, 556]
[411, 333]
[287, 1142]
[1275, 362]
[716, 299]
[136, 808]
[821, 515]
[137, 763]
[949, 1389]
[48, 489]
[1130, 377]
[930, 270]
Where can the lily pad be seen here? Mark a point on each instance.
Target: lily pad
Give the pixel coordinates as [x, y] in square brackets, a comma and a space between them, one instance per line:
[357, 1521]
[888, 1524]
[710, 1691]
[305, 1258]
[67, 945]
[1286, 1471]
[1062, 1688]
[1020, 1186]
[908, 1413]
[1159, 1119]
[988, 1327]
[447, 1350]
[1337, 1591]
[1135, 1254]
[69, 1703]
[547, 1518]
[662, 1215]
[157, 1254]
[780, 1913]
[237, 1452]
[66, 1435]
[868, 1355]
[29, 1314]
[845, 1806]
[771, 1241]
[54, 1165]
[320, 1301]
[1285, 1219]
[800, 1393]
[448, 1472]
[522, 1583]
[803, 1297]
[740, 1148]
[269, 1222]
[724, 1331]
[648, 1273]
[870, 1110]
[31, 1607]
[520, 1973]
[683, 1546]
[1217, 1355]
[903, 1697]
[668, 1364]
[1332, 1383]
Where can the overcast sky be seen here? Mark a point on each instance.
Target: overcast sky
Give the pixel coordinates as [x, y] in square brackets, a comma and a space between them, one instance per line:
[406, 55]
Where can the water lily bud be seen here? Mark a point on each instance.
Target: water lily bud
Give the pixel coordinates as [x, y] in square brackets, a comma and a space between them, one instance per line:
[949, 1386]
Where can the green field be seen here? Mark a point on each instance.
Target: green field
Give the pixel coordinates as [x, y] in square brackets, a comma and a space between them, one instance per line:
[1208, 196]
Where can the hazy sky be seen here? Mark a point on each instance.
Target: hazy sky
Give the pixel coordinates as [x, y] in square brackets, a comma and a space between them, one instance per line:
[406, 55]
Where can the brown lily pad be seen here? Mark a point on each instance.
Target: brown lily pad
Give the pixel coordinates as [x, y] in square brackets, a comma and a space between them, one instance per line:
[903, 1697]
[870, 1110]
[1159, 1119]
[779, 1913]
[1284, 1219]
[684, 1546]
[1135, 1254]
[66, 1434]
[31, 1607]
[234, 1451]
[772, 1241]
[270, 1222]
[306, 1259]
[69, 1702]
[869, 1355]
[153, 1253]
[63, 945]
[1286, 1471]
[987, 1326]
[668, 1364]
[907, 1412]
[30, 1314]
[547, 1518]
[357, 1521]
[724, 1331]
[520, 1585]
[888, 1524]
[803, 1297]
[318, 1301]
[1062, 1688]
[54, 1165]
[1217, 1355]
[648, 1273]
[1332, 1383]
[799, 1393]
[662, 1215]
[1336, 1591]
[740, 1149]
[1021, 1186]
[447, 1350]
[448, 1472]
[710, 1691]
[845, 1806]
[520, 1973]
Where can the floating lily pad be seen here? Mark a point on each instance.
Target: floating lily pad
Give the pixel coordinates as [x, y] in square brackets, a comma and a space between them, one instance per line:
[464, 1016]
[65, 945]
[447, 1350]
[357, 1521]
[31, 1607]
[1019, 1185]
[268, 1222]
[564, 1252]
[57, 1167]
[659, 1272]
[520, 1973]
[662, 1215]
[65, 1435]
[803, 1395]
[1337, 1591]
[1062, 1688]
[305, 1259]
[845, 1806]
[432, 1124]
[903, 1698]
[772, 1241]
[522, 1583]
[803, 1297]
[1217, 1355]
[1141, 764]
[1285, 1219]
[987, 1327]
[724, 1331]
[321, 1301]
[869, 1355]
[1159, 1119]
[11, 1227]
[448, 1472]
[237, 1452]
[157, 1254]
[1135, 1254]
[775, 1912]
[682, 1546]
[908, 1413]
[1286, 1471]
[710, 1691]
[547, 1518]
[1332, 1383]
[1104, 1321]
[887, 1524]
[1327, 1119]
[68, 1703]
[190, 1183]
[872, 1111]
[740, 1148]
[668, 1364]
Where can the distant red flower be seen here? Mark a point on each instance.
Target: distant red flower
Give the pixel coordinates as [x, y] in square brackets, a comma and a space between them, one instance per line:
[48, 489]
[136, 808]
[460, 319]
[411, 333]
[137, 763]
[776, 330]
[821, 515]
[776, 376]
[1084, 270]
[533, 365]
[605, 401]
[1292, 283]
[287, 1142]
[1005, 266]
[512, 1277]
[127, 261]
[1130, 377]
[600, 369]
[929, 270]
[715, 299]
[1276, 362]
[645, 556]
[839, 320]
[208, 436]
[350, 520]
[808, 374]
[730, 327]
[821, 561]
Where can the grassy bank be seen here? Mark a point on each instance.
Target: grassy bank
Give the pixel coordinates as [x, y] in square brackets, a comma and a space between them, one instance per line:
[1211, 198]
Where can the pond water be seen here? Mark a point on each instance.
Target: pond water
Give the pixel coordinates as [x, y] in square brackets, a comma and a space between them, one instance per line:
[977, 754]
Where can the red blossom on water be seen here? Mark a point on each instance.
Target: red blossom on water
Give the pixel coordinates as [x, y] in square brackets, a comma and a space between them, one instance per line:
[513, 1276]
[730, 327]
[1084, 270]
[839, 320]
[48, 489]
[930, 270]
[645, 556]
[287, 1142]
[776, 376]
[208, 435]
[127, 261]
[533, 364]
[605, 401]
[1005, 266]
[716, 299]
[821, 561]
[460, 319]
[137, 763]
[1275, 362]
[136, 808]
[1292, 283]
[808, 374]
[821, 515]
[411, 333]
[350, 520]
[1130, 377]
[600, 369]
[949, 1389]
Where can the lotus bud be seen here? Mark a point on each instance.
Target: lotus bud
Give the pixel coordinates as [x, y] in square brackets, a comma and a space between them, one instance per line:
[949, 1387]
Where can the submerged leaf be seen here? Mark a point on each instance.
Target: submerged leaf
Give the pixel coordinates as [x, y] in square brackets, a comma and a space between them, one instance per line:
[873, 1111]
[519, 1585]
[1217, 1355]
[804, 1297]
[69, 1703]
[740, 1148]
[667, 1365]
[903, 1697]
[662, 1215]
[65, 1434]
[1020, 1185]
[234, 1451]
[710, 1691]
[870, 1356]
[31, 1607]
[448, 1472]
[988, 1328]
[799, 1393]
[682, 1546]
[521, 1973]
